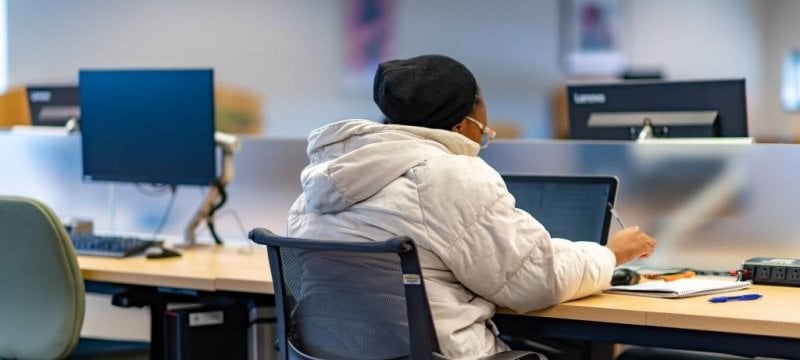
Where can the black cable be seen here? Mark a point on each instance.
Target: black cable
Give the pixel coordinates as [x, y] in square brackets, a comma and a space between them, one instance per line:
[213, 231]
[174, 190]
[210, 217]
[223, 197]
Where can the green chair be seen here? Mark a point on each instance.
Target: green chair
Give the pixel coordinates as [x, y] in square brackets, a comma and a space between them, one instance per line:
[41, 288]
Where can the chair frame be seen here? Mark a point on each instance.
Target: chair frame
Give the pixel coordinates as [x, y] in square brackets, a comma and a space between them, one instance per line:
[422, 334]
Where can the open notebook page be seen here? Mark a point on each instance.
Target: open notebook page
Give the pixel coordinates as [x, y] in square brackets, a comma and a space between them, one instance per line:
[679, 288]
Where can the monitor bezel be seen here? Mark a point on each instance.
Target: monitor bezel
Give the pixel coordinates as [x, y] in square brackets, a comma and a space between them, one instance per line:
[205, 180]
[35, 108]
[657, 96]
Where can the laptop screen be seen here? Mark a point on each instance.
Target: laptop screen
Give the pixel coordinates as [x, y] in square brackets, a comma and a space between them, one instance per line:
[576, 208]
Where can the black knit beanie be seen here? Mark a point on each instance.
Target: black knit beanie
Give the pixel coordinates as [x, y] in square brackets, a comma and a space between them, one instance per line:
[432, 91]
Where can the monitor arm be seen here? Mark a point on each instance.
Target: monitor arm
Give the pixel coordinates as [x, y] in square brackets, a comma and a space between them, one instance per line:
[645, 133]
[229, 144]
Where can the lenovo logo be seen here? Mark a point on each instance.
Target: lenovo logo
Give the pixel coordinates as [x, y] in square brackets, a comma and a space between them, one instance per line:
[40, 96]
[588, 98]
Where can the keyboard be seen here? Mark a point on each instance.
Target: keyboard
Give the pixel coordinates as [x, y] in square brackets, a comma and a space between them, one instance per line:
[110, 245]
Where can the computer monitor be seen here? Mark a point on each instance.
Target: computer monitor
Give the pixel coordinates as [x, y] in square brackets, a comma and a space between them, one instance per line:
[148, 126]
[53, 105]
[673, 109]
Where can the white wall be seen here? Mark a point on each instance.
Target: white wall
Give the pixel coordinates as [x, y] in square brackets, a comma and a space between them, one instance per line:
[291, 51]
[781, 30]
[706, 39]
[511, 46]
[3, 48]
[286, 50]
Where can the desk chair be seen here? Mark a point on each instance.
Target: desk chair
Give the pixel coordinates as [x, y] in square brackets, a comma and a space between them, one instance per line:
[42, 301]
[351, 300]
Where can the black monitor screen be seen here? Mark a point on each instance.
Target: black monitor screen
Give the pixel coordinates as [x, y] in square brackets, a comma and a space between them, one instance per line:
[148, 126]
[576, 208]
[53, 105]
[676, 109]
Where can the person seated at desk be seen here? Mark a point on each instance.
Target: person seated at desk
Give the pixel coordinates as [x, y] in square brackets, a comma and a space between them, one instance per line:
[420, 176]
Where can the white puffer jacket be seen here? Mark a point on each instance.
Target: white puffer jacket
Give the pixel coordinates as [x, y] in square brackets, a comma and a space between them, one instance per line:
[372, 181]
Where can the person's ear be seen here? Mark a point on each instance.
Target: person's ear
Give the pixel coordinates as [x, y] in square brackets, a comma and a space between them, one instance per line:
[457, 127]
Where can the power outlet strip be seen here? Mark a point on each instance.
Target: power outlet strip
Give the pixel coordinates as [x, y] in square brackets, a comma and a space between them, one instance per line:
[772, 271]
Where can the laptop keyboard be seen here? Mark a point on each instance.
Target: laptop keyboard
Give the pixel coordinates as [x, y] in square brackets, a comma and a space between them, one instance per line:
[110, 245]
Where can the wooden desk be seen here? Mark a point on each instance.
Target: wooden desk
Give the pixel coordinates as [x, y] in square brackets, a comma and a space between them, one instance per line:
[691, 323]
[206, 267]
[766, 327]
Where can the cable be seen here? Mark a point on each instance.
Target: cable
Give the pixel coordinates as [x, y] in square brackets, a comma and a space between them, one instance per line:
[174, 190]
[210, 218]
[157, 189]
[236, 217]
[223, 197]
[213, 231]
[247, 249]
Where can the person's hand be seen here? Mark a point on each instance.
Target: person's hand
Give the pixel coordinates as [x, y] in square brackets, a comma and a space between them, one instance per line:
[631, 243]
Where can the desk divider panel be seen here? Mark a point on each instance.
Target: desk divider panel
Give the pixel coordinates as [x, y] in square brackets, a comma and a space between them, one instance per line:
[710, 206]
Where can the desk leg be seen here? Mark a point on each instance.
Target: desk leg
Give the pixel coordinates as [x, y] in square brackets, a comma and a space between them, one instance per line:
[157, 330]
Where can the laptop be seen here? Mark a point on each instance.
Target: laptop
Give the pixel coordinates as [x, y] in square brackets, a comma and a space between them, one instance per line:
[576, 208]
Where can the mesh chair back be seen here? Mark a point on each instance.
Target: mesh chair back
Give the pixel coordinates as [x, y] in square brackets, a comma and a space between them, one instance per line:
[349, 300]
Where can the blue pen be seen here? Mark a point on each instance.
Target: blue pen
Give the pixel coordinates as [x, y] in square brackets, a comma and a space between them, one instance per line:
[744, 297]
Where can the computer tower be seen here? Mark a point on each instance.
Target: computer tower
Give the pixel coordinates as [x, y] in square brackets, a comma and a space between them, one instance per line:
[206, 332]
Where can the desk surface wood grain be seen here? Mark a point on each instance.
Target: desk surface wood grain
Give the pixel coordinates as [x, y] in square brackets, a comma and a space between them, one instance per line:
[206, 267]
[773, 315]
[246, 269]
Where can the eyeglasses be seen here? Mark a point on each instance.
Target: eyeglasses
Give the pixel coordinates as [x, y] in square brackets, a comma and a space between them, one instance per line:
[487, 134]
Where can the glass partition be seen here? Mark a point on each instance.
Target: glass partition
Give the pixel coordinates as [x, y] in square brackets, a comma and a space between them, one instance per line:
[265, 183]
[710, 206]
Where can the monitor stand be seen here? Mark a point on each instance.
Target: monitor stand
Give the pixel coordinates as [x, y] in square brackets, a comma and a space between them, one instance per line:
[229, 145]
[646, 132]
[647, 136]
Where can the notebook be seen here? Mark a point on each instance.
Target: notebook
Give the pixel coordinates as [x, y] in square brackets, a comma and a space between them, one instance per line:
[679, 288]
[576, 208]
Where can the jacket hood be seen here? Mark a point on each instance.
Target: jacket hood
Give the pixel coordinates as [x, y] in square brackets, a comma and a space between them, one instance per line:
[352, 160]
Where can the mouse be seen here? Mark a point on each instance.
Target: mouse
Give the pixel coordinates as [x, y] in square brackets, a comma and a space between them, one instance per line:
[625, 276]
[160, 252]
